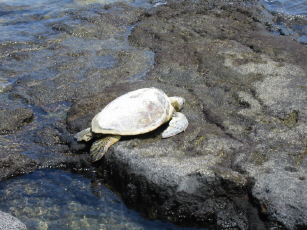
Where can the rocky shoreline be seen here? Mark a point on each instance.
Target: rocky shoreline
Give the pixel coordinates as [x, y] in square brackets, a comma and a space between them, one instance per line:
[241, 162]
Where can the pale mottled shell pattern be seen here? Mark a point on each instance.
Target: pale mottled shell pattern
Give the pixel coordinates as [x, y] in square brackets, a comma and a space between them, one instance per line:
[133, 113]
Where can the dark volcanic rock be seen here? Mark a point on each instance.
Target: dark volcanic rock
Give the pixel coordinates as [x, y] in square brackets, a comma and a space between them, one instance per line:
[59, 146]
[13, 119]
[13, 164]
[241, 163]
[245, 146]
[80, 63]
[70, 62]
[175, 177]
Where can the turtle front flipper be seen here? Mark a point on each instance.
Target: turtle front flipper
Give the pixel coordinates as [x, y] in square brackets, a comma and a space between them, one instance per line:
[101, 146]
[84, 135]
[177, 124]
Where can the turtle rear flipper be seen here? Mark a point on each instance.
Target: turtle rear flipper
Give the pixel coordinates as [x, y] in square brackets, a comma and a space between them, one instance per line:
[84, 135]
[101, 146]
[177, 124]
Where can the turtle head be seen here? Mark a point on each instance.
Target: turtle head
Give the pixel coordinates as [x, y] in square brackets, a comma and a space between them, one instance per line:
[177, 102]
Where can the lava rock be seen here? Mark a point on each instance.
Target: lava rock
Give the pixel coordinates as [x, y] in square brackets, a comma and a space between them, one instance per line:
[246, 105]
[240, 164]
[13, 164]
[14, 119]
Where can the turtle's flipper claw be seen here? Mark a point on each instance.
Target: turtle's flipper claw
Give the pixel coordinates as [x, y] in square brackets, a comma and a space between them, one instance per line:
[178, 123]
[101, 146]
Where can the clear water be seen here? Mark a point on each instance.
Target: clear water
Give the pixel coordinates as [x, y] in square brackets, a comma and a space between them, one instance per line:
[57, 199]
[294, 7]
[292, 16]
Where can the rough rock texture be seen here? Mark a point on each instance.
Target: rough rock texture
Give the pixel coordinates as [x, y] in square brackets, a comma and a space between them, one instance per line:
[70, 61]
[80, 63]
[13, 119]
[241, 163]
[13, 164]
[9, 222]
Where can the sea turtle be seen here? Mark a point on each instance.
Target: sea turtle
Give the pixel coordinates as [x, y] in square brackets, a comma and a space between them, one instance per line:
[134, 113]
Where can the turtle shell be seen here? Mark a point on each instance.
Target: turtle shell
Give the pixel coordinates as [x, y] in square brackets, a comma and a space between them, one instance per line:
[133, 113]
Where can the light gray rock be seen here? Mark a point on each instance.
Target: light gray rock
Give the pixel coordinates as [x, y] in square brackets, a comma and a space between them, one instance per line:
[9, 222]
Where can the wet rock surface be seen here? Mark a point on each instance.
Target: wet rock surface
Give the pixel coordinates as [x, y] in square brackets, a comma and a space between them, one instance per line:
[241, 162]
[13, 119]
[14, 164]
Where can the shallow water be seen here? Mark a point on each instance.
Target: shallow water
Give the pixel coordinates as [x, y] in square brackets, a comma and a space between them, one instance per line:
[293, 7]
[57, 199]
[291, 17]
